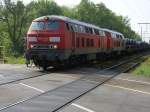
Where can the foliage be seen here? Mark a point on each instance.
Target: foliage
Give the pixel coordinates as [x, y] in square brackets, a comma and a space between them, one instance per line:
[16, 16]
[14, 60]
[19, 16]
[143, 69]
[99, 15]
[46, 7]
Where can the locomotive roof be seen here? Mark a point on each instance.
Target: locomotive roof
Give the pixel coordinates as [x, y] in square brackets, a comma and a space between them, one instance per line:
[67, 19]
[112, 31]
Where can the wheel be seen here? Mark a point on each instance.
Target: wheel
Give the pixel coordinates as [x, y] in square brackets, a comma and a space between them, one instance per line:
[36, 62]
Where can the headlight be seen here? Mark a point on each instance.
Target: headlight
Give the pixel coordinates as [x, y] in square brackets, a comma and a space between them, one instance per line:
[54, 39]
[32, 39]
[31, 46]
[55, 46]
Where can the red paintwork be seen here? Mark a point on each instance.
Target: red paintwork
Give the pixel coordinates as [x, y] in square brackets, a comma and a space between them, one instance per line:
[68, 39]
[71, 47]
[109, 40]
[43, 36]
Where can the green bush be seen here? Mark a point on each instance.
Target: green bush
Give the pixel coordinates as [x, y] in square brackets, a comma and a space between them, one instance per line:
[143, 69]
[15, 60]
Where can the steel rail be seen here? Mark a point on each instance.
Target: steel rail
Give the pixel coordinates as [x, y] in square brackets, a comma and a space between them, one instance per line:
[9, 80]
[53, 100]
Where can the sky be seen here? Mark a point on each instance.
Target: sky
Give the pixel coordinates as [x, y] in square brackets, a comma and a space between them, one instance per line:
[137, 10]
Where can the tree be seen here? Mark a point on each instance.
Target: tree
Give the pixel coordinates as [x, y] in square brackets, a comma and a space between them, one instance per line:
[101, 16]
[46, 7]
[16, 15]
[85, 11]
[67, 11]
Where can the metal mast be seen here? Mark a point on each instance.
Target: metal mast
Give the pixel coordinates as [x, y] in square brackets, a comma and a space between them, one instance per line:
[145, 31]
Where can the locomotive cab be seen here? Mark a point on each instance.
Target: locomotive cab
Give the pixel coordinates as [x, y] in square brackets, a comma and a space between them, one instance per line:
[45, 41]
[45, 33]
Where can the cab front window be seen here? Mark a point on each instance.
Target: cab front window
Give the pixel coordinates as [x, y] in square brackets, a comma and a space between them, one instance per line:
[37, 26]
[52, 25]
[48, 25]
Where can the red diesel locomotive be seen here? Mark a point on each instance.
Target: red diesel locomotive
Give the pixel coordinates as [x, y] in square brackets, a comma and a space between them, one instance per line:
[54, 40]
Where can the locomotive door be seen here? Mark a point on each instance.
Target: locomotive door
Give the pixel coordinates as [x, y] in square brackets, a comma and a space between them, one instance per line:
[73, 39]
[102, 43]
[108, 35]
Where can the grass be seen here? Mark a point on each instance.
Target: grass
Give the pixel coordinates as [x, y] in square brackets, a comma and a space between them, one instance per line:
[15, 60]
[143, 68]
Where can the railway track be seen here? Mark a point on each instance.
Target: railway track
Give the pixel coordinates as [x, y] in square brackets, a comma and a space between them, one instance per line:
[54, 100]
[24, 77]
[8, 80]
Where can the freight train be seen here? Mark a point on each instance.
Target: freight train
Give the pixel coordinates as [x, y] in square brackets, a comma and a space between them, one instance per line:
[55, 40]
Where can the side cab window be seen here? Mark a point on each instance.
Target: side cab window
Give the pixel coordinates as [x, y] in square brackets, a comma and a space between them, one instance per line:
[82, 29]
[90, 31]
[113, 35]
[96, 31]
[75, 28]
[69, 27]
[86, 29]
[101, 33]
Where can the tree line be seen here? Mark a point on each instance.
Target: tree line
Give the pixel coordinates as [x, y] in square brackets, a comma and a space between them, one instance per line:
[16, 17]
